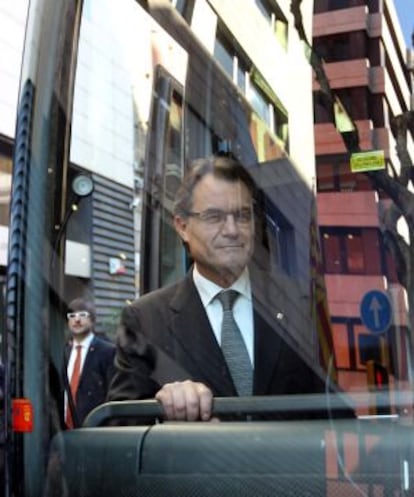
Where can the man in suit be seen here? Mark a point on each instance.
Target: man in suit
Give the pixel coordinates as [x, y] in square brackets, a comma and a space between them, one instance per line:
[170, 341]
[89, 364]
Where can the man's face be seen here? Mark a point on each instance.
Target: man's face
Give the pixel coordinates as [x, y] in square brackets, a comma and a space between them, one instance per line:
[80, 324]
[220, 249]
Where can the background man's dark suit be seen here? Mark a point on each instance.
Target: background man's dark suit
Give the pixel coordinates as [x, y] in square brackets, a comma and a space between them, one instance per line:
[170, 333]
[96, 375]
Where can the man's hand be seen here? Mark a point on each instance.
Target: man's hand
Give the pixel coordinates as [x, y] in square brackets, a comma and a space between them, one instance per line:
[186, 401]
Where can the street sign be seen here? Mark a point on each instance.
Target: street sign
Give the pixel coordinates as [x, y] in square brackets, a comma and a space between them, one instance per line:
[376, 311]
[372, 160]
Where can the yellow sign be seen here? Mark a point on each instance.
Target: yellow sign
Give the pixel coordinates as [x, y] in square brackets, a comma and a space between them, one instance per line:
[367, 161]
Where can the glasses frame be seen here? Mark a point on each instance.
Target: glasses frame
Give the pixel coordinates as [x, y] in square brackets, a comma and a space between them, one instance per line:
[222, 216]
[78, 314]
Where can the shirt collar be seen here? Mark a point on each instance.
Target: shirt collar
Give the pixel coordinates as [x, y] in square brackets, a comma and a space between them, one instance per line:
[209, 290]
[85, 342]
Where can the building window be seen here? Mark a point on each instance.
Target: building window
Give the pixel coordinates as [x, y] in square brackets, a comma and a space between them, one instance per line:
[274, 16]
[322, 109]
[342, 46]
[344, 4]
[327, 5]
[269, 111]
[392, 274]
[280, 125]
[333, 48]
[162, 249]
[224, 56]
[5, 187]
[354, 345]
[231, 61]
[252, 84]
[352, 251]
[260, 103]
[184, 7]
[355, 100]
[281, 240]
[336, 176]
[241, 77]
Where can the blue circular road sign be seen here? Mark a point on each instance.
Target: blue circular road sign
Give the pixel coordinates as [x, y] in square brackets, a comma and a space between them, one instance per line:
[376, 311]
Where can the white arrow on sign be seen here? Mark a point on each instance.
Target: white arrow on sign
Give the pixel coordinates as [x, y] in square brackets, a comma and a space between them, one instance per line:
[375, 308]
[376, 311]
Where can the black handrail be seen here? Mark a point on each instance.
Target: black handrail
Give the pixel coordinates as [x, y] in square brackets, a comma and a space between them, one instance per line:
[330, 405]
[258, 405]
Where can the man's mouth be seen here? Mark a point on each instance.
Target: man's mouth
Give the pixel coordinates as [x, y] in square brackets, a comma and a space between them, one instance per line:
[231, 246]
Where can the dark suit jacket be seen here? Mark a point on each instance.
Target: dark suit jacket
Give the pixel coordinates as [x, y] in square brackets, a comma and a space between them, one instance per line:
[96, 375]
[166, 336]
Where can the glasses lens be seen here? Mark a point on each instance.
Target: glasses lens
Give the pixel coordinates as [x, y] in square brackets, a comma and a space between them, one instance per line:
[80, 314]
[212, 216]
[243, 216]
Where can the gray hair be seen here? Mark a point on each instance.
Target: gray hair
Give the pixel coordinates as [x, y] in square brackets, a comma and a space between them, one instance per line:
[223, 167]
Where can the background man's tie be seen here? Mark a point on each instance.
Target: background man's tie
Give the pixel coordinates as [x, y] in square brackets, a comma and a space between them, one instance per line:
[233, 346]
[74, 383]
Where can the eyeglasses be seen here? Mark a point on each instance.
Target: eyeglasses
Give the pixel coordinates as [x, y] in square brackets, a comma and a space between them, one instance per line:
[79, 314]
[218, 216]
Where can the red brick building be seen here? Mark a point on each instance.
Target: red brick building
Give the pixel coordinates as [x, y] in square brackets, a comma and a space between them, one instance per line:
[365, 59]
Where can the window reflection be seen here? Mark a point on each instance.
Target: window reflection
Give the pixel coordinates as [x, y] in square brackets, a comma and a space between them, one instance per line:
[352, 251]
[5, 188]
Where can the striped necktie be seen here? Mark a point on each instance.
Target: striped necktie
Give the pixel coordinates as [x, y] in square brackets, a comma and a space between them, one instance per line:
[233, 346]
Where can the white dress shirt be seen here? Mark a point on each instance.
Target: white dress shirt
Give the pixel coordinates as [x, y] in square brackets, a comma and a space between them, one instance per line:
[242, 309]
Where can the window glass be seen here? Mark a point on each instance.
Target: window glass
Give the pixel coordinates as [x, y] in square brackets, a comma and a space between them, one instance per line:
[224, 57]
[326, 177]
[274, 16]
[337, 176]
[332, 251]
[180, 5]
[130, 98]
[355, 255]
[241, 76]
[281, 242]
[5, 187]
[352, 251]
[264, 9]
[259, 103]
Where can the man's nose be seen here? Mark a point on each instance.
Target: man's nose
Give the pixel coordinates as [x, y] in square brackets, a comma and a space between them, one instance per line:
[230, 225]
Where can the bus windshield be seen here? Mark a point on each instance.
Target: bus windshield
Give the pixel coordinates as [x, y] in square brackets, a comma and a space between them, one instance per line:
[205, 249]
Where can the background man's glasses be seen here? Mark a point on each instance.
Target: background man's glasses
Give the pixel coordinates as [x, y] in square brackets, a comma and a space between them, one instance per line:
[80, 314]
[218, 216]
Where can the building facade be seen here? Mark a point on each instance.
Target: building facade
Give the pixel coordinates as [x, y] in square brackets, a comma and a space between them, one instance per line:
[366, 61]
[134, 63]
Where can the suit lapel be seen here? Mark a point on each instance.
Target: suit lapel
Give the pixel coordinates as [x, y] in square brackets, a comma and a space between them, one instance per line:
[268, 348]
[191, 328]
[90, 358]
[268, 343]
[66, 355]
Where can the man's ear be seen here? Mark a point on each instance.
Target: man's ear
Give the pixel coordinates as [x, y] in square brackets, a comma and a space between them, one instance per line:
[180, 225]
